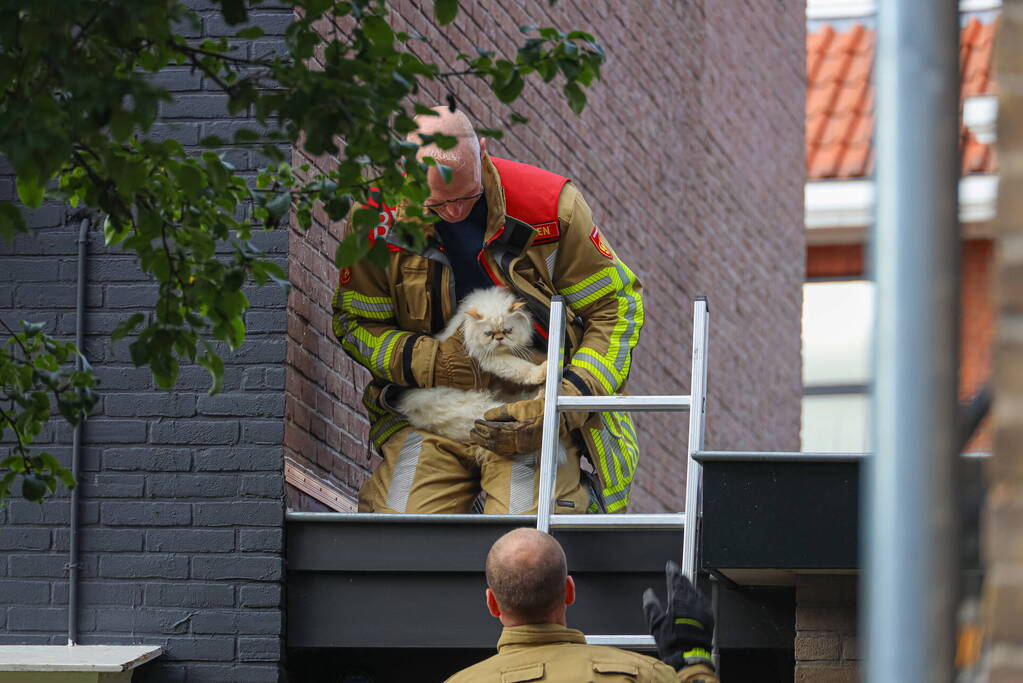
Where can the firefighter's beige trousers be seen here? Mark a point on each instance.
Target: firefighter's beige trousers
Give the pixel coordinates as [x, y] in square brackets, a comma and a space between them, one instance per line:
[427, 473]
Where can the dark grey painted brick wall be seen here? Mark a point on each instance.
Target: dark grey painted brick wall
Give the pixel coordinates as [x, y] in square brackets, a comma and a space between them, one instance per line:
[182, 493]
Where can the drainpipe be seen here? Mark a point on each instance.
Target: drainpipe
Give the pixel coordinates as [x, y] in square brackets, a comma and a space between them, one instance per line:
[76, 444]
[910, 581]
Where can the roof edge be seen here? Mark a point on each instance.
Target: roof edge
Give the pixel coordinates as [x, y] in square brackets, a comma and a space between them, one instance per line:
[840, 211]
[849, 9]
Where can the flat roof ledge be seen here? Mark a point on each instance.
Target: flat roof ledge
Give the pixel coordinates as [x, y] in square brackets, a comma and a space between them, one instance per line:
[76, 658]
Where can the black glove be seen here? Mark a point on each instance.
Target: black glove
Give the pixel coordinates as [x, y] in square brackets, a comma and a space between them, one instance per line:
[684, 631]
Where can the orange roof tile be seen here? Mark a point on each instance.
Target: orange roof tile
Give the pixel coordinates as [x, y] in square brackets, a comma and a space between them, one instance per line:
[839, 98]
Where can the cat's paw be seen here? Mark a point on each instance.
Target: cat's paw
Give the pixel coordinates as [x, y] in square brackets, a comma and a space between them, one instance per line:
[538, 375]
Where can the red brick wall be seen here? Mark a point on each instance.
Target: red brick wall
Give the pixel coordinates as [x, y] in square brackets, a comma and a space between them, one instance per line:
[690, 154]
[977, 328]
[835, 260]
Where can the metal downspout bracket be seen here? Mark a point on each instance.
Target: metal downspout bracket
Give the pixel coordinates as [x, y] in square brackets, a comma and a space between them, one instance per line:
[76, 445]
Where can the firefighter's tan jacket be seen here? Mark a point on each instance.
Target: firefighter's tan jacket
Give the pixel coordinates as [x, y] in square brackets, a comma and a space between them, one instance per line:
[554, 653]
[384, 316]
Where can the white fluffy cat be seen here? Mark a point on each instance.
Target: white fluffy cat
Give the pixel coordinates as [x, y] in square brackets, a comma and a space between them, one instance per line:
[497, 331]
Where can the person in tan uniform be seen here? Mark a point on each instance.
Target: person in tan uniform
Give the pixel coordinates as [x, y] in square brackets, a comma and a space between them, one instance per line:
[523, 228]
[529, 590]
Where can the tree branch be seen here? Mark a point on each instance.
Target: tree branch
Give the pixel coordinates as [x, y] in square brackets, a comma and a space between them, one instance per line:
[190, 50]
[15, 338]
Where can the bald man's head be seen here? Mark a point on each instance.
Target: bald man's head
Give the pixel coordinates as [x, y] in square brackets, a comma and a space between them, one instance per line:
[526, 571]
[464, 159]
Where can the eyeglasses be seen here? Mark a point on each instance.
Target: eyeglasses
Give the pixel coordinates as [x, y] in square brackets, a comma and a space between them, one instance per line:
[437, 205]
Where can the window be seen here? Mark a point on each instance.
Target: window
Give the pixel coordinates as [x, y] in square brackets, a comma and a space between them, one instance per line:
[837, 319]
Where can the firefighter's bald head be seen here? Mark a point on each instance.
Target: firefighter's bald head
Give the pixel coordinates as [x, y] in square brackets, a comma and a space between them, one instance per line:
[453, 200]
[527, 578]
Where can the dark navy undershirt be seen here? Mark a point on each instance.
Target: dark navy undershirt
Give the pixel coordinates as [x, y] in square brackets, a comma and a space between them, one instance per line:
[462, 242]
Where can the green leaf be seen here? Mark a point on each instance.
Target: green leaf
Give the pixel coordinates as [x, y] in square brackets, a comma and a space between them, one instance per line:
[244, 135]
[30, 191]
[127, 326]
[234, 11]
[445, 11]
[576, 97]
[213, 141]
[5, 485]
[33, 489]
[190, 178]
[251, 33]
[423, 110]
[11, 221]
[364, 218]
[237, 333]
[377, 30]
[350, 250]
[114, 231]
[445, 173]
[378, 255]
[66, 477]
[492, 133]
[338, 207]
[215, 366]
[233, 304]
[279, 205]
[509, 90]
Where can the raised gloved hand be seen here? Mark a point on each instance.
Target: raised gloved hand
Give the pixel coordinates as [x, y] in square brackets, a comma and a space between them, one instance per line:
[451, 365]
[517, 428]
[684, 631]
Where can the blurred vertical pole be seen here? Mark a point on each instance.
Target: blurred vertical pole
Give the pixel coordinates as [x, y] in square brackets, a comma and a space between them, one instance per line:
[910, 547]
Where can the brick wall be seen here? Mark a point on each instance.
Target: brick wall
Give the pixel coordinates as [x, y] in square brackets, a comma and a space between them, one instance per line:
[835, 261]
[1003, 520]
[690, 154]
[826, 644]
[182, 514]
[976, 321]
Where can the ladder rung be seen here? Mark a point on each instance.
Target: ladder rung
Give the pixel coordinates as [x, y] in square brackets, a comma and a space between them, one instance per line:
[637, 642]
[636, 403]
[660, 521]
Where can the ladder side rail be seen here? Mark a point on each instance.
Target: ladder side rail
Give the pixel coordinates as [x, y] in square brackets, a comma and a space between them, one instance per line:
[551, 417]
[697, 411]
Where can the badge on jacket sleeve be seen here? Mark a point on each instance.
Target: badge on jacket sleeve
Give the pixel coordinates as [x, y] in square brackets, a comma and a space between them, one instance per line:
[546, 233]
[601, 244]
[345, 276]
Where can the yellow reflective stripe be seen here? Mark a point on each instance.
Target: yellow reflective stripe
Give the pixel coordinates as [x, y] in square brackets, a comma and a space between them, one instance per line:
[593, 364]
[602, 459]
[630, 320]
[388, 341]
[617, 505]
[611, 367]
[372, 352]
[590, 289]
[373, 307]
[383, 424]
[617, 457]
[687, 621]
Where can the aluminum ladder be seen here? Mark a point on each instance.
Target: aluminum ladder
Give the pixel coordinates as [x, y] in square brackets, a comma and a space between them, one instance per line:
[695, 403]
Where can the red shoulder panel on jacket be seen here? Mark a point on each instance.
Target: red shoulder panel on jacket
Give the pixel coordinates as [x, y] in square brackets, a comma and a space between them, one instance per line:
[531, 195]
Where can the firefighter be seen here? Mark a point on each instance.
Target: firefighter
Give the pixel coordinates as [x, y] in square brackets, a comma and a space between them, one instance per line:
[520, 227]
[529, 589]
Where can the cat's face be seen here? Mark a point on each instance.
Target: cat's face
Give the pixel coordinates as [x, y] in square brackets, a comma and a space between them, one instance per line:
[509, 328]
